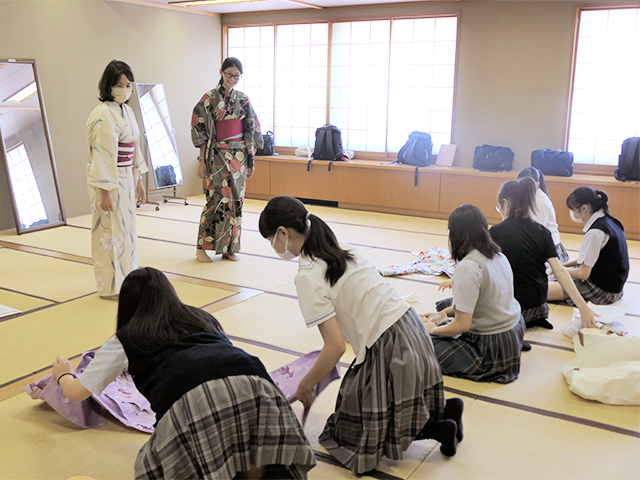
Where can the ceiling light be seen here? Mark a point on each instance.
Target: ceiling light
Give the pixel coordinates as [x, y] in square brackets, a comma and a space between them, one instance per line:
[202, 3]
[22, 94]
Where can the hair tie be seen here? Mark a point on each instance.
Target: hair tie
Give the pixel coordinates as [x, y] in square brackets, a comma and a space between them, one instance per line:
[307, 216]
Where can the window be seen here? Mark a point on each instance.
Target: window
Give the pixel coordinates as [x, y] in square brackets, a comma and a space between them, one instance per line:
[605, 105]
[385, 78]
[25, 189]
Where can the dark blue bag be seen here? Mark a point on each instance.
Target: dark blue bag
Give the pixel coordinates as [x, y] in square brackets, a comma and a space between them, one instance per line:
[553, 162]
[493, 159]
[417, 150]
[629, 161]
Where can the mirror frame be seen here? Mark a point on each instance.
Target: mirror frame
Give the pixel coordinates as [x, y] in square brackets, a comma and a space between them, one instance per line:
[52, 160]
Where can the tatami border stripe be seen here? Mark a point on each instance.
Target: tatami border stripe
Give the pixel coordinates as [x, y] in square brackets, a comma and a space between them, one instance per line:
[546, 413]
[326, 458]
[550, 345]
[44, 307]
[28, 294]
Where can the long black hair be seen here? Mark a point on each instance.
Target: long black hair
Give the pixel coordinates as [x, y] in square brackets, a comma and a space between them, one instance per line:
[469, 230]
[110, 78]
[521, 195]
[321, 242]
[596, 199]
[150, 314]
[230, 62]
[536, 174]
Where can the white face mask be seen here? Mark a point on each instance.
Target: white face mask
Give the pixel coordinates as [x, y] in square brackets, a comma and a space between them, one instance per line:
[287, 255]
[574, 218]
[121, 94]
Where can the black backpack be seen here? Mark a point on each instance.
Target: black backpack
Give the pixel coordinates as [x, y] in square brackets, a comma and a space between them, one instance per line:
[629, 161]
[493, 159]
[267, 144]
[553, 162]
[328, 144]
[417, 150]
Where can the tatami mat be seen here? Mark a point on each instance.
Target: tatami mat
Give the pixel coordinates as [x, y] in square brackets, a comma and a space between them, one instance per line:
[506, 443]
[510, 430]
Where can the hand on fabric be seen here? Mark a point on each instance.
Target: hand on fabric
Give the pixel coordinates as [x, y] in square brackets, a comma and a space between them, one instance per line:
[141, 194]
[304, 394]
[430, 327]
[250, 172]
[202, 169]
[106, 201]
[444, 285]
[60, 365]
[588, 317]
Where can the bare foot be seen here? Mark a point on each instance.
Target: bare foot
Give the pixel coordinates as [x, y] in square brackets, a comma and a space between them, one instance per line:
[110, 297]
[231, 256]
[202, 256]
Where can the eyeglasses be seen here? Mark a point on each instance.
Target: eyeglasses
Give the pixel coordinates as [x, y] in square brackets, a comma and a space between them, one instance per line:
[232, 77]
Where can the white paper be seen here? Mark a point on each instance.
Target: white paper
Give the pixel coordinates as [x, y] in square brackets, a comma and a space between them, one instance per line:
[5, 311]
[446, 155]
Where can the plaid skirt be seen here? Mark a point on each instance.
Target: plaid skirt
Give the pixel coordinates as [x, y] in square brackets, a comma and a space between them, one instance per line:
[591, 292]
[385, 401]
[535, 313]
[223, 427]
[482, 358]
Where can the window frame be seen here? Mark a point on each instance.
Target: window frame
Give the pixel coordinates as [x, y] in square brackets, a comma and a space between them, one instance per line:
[585, 168]
[365, 155]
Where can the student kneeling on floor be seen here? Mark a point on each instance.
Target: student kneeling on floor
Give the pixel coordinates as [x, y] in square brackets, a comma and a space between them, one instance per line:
[484, 340]
[393, 393]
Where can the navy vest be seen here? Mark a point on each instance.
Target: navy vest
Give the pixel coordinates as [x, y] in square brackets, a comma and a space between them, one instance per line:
[612, 268]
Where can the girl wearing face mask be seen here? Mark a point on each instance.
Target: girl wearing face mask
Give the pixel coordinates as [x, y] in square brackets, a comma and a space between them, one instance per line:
[528, 245]
[393, 393]
[225, 128]
[602, 267]
[114, 181]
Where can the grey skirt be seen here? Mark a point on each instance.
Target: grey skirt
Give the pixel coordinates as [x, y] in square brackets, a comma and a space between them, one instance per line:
[536, 313]
[223, 427]
[482, 358]
[385, 401]
[591, 292]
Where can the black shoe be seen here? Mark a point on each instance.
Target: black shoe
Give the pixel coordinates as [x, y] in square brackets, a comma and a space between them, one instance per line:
[453, 411]
[540, 322]
[526, 346]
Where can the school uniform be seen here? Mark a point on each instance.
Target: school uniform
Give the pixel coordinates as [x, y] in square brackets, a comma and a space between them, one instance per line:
[527, 245]
[394, 386]
[490, 350]
[604, 249]
[218, 412]
[546, 215]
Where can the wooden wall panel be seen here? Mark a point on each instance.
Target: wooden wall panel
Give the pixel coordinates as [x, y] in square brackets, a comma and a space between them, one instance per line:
[291, 178]
[260, 182]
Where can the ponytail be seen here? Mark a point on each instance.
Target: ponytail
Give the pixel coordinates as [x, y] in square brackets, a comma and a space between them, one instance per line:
[596, 199]
[521, 195]
[537, 176]
[321, 242]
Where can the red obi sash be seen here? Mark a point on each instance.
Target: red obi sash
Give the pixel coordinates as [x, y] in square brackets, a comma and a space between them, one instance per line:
[228, 130]
[125, 154]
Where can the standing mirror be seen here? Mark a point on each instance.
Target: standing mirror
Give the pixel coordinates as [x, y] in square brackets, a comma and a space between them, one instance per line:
[26, 149]
[159, 134]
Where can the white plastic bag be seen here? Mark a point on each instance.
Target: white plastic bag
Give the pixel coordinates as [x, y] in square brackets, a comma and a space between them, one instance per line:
[609, 314]
[304, 151]
[606, 368]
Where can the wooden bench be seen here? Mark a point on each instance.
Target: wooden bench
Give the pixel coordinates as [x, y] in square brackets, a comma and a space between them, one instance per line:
[433, 192]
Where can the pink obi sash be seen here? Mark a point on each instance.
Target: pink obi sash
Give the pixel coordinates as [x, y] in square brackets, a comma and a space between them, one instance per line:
[125, 154]
[228, 130]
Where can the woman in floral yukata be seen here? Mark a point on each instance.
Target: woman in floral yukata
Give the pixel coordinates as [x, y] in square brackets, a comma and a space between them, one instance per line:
[225, 128]
[114, 180]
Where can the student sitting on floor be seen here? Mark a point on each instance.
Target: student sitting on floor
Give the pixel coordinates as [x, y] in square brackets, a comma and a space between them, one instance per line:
[528, 245]
[393, 393]
[219, 415]
[544, 212]
[484, 340]
[602, 267]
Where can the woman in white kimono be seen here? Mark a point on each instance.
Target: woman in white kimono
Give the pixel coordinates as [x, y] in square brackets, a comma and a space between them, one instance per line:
[113, 178]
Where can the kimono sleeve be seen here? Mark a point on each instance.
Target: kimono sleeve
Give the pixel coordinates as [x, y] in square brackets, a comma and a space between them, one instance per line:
[199, 133]
[102, 137]
[252, 133]
[313, 298]
[139, 162]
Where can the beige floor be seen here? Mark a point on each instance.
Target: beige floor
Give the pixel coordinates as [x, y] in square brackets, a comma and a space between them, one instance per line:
[533, 428]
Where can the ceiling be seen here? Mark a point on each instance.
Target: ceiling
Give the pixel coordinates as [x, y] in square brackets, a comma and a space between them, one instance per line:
[272, 5]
